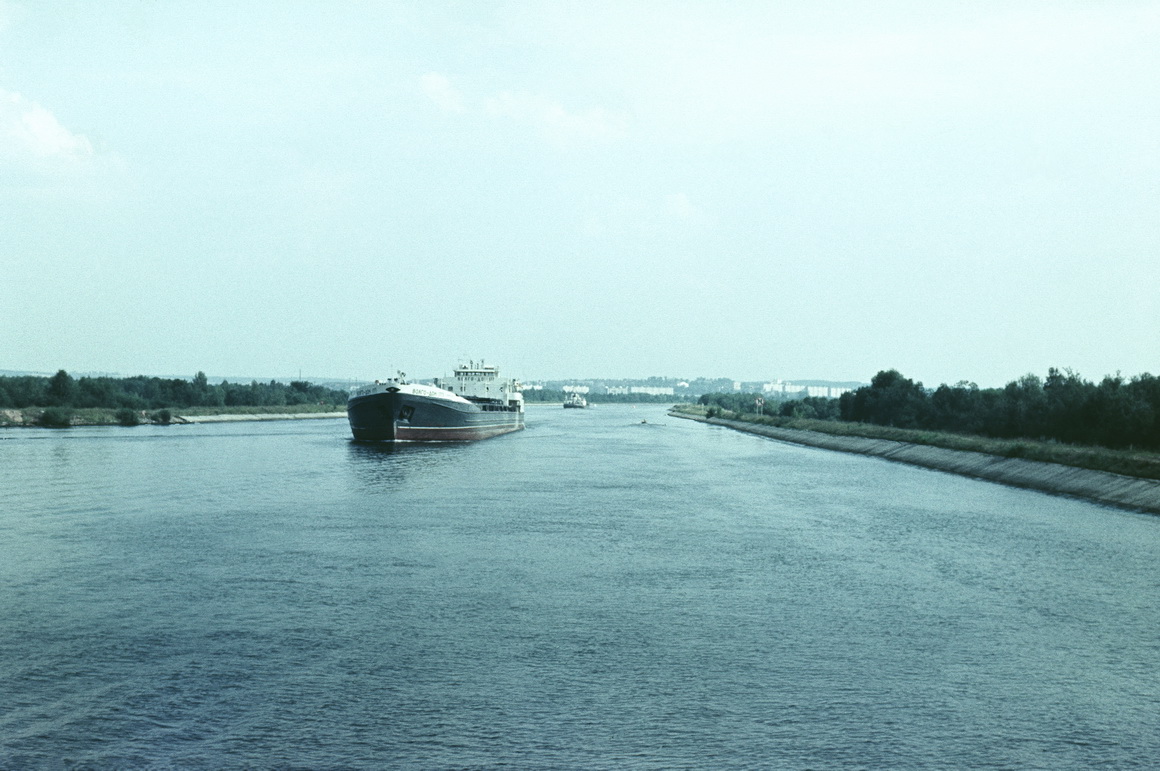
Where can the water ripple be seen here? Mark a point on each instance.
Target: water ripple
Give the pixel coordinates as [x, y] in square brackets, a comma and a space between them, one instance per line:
[590, 593]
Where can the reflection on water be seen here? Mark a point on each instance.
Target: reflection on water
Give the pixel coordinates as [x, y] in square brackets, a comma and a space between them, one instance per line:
[387, 464]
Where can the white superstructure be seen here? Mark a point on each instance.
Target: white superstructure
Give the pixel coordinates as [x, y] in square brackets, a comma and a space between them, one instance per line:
[479, 382]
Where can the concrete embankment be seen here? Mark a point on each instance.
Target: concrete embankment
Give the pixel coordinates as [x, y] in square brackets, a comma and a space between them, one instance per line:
[1099, 486]
[256, 416]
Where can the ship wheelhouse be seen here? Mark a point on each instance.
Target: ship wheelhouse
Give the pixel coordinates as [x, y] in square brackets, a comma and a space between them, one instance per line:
[480, 383]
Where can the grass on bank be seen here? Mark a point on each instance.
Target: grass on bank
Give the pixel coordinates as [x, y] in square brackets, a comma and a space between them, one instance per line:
[296, 409]
[1132, 463]
[65, 417]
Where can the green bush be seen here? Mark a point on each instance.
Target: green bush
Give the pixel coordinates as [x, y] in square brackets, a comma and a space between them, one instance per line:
[128, 417]
[161, 416]
[55, 417]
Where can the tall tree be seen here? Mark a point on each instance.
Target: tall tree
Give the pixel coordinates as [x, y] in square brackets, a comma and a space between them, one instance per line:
[61, 388]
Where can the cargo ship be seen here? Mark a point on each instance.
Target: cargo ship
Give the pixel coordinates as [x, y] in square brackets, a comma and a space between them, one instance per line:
[472, 404]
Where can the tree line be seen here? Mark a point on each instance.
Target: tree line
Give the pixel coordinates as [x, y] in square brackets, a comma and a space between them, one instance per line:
[1116, 412]
[541, 395]
[152, 393]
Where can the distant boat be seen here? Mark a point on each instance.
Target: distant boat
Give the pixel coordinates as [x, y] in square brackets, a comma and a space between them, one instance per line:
[474, 404]
[575, 401]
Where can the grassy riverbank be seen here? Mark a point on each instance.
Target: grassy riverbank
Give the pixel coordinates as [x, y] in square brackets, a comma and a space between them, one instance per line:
[57, 417]
[297, 409]
[1132, 463]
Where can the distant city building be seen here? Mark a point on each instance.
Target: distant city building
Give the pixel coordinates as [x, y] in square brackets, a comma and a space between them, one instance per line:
[779, 390]
[780, 387]
[650, 390]
[794, 390]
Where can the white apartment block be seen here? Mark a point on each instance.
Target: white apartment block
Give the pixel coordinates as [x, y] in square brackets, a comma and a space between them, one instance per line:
[652, 390]
[783, 388]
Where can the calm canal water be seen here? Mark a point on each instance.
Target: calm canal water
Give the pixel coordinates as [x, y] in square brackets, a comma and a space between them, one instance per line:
[593, 592]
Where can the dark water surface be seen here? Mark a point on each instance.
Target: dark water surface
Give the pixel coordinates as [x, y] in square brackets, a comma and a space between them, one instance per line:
[594, 592]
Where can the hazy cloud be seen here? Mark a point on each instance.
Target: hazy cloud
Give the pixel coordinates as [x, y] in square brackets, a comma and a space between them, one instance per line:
[557, 123]
[679, 205]
[546, 115]
[29, 131]
[867, 141]
[440, 91]
[704, 72]
[646, 216]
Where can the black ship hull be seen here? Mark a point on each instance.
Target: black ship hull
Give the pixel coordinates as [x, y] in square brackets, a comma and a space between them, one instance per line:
[406, 417]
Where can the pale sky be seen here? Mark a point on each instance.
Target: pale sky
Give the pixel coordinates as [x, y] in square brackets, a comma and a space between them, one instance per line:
[959, 190]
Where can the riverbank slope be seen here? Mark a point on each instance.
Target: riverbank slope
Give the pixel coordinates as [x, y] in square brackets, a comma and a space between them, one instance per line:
[32, 417]
[1100, 486]
[233, 417]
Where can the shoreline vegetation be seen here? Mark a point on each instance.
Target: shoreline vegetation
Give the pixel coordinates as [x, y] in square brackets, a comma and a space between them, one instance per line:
[1133, 463]
[556, 398]
[49, 417]
[1111, 426]
[62, 401]
[1077, 472]
[1117, 412]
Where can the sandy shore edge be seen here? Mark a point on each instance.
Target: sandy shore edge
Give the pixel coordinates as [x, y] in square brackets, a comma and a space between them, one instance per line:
[1100, 486]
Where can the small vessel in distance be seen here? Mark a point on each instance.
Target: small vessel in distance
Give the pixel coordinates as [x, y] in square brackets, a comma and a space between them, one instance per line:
[473, 404]
[575, 401]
